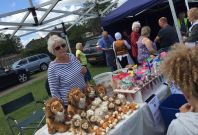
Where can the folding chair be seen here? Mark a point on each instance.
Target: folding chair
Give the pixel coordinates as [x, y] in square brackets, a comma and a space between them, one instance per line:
[32, 121]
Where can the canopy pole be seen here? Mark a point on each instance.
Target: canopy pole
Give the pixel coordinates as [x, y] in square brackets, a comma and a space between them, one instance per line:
[175, 20]
[187, 6]
[66, 37]
[67, 40]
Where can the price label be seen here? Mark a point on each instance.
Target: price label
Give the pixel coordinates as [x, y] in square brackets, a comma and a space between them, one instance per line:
[153, 105]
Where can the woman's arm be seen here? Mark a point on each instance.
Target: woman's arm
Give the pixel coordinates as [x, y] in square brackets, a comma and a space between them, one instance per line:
[83, 69]
[127, 44]
[149, 45]
[53, 80]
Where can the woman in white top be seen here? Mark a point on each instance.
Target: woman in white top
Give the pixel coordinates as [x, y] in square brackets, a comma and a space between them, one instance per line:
[181, 67]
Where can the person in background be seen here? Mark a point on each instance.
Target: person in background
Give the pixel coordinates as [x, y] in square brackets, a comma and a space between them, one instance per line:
[180, 66]
[183, 23]
[193, 31]
[167, 35]
[65, 72]
[145, 45]
[134, 38]
[83, 60]
[106, 44]
[126, 37]
[120, 48]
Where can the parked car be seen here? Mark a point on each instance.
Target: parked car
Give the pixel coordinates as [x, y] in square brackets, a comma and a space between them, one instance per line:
[9, 77]
[93, 52]
[33, 63]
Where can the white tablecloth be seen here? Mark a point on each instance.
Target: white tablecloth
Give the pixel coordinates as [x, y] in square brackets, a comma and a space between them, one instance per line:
[140, 122]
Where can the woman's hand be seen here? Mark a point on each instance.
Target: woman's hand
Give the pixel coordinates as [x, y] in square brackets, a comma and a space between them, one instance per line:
[186, 108]
[83, 70]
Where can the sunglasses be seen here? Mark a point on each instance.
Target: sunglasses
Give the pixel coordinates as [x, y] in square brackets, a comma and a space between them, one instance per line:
[59, 47]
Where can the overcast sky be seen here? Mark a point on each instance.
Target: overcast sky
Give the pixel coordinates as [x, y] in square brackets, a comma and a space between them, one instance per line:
[13, 5]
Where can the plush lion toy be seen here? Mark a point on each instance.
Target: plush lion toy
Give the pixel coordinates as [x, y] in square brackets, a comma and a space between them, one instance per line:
[100, 90]
[76, 101]
[90, 93]
[55, 116]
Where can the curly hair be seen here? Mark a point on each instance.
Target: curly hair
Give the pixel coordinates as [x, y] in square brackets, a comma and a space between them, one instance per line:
[181, 67]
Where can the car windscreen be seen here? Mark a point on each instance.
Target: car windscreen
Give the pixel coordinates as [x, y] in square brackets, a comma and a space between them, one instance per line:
[15, 64]
[32, 59]
[91, 43]
[22, 62]
[42, 56]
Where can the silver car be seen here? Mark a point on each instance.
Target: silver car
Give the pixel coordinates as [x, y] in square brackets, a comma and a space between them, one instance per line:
[33, 63]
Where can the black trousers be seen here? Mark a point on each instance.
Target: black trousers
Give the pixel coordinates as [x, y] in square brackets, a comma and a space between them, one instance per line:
[123, 62]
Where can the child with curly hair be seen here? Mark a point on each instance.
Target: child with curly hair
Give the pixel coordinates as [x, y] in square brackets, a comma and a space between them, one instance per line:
[181, 67]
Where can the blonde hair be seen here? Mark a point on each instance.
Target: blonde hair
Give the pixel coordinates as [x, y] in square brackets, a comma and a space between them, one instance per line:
[181, 67]
[53, 40]
[135, 24]
[145, 31]
[194, 12]
[78, 46]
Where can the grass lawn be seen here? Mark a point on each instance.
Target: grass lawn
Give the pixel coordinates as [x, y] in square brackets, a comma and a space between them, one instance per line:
[39, 92]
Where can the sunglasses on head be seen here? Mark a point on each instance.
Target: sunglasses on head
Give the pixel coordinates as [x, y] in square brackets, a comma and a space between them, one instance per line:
[59, 47]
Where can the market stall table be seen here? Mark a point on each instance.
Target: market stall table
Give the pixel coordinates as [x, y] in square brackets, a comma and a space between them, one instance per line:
[140, 122]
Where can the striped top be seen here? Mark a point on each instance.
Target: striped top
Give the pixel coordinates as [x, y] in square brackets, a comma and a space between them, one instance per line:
[64, 76]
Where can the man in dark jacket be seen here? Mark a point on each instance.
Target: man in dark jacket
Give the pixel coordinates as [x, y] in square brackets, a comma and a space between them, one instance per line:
[167, 36]
[193, 31]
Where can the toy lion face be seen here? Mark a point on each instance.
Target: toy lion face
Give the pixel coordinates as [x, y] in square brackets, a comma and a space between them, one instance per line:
[101, 90]
[56, 107]
[77, 98]
[89, 91]
[53, 106]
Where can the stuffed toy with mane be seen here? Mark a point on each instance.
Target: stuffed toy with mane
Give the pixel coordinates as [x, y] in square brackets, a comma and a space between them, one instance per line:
[76, 102]
[100, 91]
[90, 93]
[55, 116]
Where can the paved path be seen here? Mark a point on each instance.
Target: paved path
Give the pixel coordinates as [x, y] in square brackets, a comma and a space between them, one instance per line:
[32, 80]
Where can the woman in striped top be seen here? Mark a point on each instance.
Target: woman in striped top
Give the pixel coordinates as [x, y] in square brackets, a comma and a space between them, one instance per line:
[65, 72]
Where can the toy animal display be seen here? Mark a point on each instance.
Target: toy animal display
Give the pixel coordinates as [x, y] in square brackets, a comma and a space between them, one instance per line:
[86, 127]
[83, 115]
[100, 90]
[76, 101]
[76, 124]
[55, 116]
[89, 91]
[98, 131]
[122, 98]
[80, 126]
[97, 118]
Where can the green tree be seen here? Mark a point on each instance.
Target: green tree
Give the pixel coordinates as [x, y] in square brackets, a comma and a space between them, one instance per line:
[9, 46]
[76, 34]
[93, 25]
[39, 46]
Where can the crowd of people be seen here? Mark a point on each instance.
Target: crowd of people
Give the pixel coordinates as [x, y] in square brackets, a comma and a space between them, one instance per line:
[139, 44]
[68, 71]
